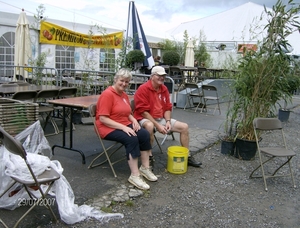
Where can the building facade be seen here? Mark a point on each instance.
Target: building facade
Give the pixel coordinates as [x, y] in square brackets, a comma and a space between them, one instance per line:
[63, 57]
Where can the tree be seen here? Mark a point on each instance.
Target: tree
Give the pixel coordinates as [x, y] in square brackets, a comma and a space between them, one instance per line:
[201, 54]
[173, 45]
[39, 17]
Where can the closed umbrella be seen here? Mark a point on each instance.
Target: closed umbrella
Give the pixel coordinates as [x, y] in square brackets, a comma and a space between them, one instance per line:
[189, 55]
[136, 35]
[22, 45]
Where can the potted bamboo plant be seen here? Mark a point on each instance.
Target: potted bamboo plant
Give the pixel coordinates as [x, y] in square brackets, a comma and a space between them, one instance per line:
[294, 83]
[262, 78]
[228, 128]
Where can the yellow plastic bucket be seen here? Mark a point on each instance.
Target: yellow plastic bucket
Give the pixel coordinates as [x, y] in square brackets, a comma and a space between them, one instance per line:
[177, 159]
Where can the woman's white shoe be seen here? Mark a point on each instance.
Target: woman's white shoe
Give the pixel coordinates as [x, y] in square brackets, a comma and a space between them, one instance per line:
[148, 174]
[138, 182]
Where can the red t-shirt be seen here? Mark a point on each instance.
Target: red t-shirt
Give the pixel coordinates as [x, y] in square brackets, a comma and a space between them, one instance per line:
[115, 106]
[147, 99]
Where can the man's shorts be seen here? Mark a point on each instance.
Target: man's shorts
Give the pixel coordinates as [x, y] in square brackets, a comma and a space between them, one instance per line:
[161, 121]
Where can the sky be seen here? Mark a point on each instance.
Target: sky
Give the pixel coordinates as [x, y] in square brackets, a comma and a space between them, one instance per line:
[157, 16]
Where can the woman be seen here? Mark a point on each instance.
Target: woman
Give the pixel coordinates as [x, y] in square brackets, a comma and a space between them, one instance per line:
[115, 122]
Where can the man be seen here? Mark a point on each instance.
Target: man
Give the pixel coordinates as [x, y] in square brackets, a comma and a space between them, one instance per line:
[153, 110]
[157, 61]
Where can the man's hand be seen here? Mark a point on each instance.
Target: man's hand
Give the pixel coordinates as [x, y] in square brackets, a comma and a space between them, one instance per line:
[162, 129]
[168, 126]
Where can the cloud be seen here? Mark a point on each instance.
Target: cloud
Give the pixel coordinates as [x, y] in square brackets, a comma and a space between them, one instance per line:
[157, 16]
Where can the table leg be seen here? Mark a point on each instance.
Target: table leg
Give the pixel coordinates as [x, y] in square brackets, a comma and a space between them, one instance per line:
[63, 146]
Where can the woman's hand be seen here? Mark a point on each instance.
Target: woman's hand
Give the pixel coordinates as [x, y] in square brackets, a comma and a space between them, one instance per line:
[135, 125]
[129, 131]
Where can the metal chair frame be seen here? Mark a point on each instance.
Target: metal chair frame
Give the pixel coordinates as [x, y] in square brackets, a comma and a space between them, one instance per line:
[170, 85]
[44, 107]
[270, 125]
[210, 89]
[47, 178]
[155, 138]
[194, 92]
[176, 74]
[107, 151]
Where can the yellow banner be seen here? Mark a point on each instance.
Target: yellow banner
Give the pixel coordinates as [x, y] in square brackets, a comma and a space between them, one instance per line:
[57, 35]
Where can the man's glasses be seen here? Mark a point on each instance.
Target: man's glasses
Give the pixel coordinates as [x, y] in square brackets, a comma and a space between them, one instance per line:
[161, 76]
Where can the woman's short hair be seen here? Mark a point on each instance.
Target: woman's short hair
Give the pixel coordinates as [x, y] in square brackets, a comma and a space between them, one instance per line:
[123, 73]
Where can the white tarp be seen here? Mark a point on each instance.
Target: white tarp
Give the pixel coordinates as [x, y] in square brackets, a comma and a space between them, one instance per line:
[36, 144]
[242, 24]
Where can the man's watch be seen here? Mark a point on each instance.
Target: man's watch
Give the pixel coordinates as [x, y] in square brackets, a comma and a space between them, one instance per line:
[168, 120]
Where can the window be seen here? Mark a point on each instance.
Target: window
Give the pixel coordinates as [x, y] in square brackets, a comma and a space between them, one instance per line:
[217, 45]
[7, 42]
[154, 52]
[107, 59]
[64, 57]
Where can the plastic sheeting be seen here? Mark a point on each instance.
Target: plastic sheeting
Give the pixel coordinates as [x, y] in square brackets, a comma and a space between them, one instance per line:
[37, 147]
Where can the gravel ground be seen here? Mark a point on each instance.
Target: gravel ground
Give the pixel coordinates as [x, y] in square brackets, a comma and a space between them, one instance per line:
[220, 194]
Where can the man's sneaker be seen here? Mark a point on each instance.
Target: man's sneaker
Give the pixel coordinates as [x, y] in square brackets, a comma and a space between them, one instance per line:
[151, 162]
[147, 173]
[138, 182]
[193, 162]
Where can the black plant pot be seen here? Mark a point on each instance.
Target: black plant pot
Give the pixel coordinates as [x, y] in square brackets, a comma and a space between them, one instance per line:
[283, 115]
[245, 149]
[227, 147]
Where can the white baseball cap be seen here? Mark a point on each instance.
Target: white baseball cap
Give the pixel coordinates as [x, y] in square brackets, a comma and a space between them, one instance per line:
[158, 70]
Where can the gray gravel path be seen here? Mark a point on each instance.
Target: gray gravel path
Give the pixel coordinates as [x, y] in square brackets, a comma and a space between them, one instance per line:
[220, 194]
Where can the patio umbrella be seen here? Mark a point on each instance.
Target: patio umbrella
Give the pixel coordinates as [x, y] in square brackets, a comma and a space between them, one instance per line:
[189, 55]
[22, 45]
[135, 35]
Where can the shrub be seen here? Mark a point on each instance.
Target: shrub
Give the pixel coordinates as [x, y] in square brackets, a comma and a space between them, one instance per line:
[134, 56]
[171, 58]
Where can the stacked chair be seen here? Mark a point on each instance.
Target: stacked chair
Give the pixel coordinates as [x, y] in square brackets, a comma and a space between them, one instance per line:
[16, 115]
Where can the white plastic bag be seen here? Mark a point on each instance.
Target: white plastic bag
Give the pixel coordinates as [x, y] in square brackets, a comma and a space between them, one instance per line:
[36, 145]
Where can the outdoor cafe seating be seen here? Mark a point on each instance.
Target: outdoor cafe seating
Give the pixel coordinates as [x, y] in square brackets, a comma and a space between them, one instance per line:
[45, 109]
[182, 75]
